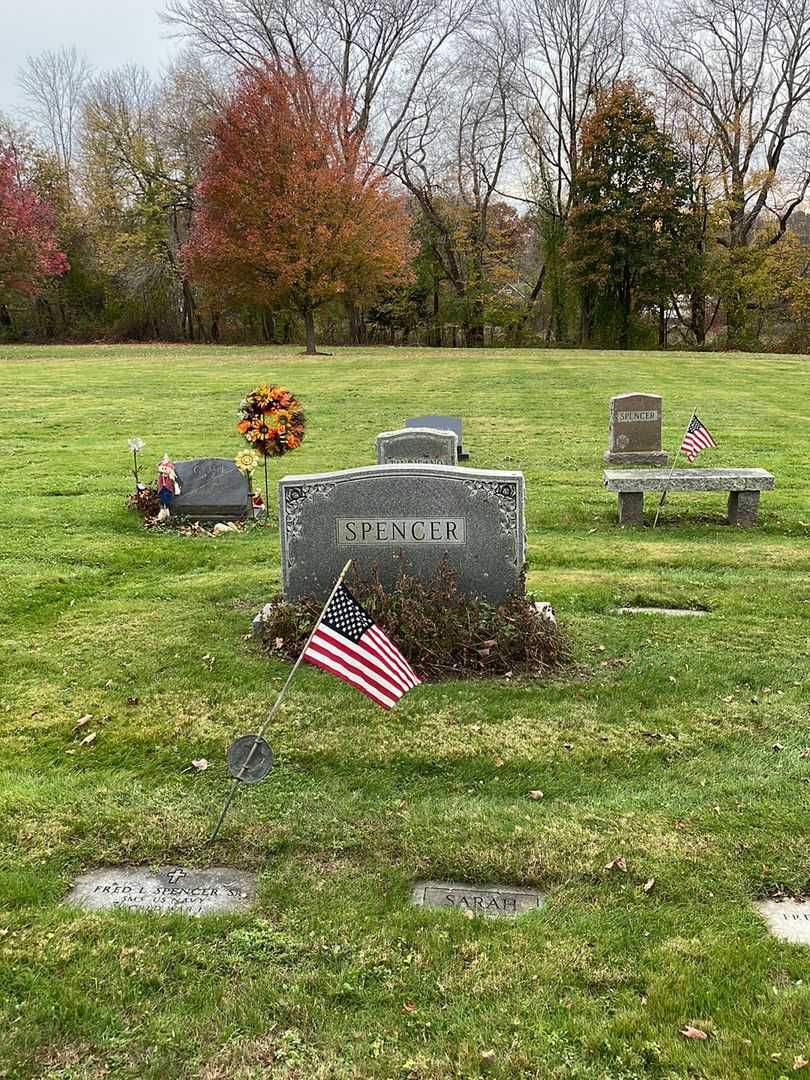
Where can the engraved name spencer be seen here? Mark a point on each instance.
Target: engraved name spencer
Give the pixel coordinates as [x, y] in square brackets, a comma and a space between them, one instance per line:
[401, 531]
[634, 417]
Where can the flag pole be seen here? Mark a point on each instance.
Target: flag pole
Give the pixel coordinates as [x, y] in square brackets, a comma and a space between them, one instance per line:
[237, 780]
[672, 470]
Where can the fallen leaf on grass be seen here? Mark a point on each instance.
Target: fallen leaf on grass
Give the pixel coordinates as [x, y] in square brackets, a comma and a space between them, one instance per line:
[805, 752]
[133, 701]
[82, 721]
[535, 795]
[88, 739]
[800, 1062]
[617, 864]
[408, 1007]
[487, 1057]
[778, 746]
[690, 1032]
[200, 764]
[498, 762]
[647, 886]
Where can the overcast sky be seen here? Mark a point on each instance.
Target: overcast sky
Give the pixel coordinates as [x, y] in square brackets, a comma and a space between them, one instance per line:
[109, 32]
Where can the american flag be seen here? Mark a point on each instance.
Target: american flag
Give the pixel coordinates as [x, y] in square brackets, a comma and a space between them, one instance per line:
[348, 643]
[697, 438]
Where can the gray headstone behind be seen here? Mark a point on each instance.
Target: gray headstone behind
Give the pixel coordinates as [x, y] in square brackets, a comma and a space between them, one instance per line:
[417, 446]
[441, 423]
[403, 519]
[211, 489]
[634, 430]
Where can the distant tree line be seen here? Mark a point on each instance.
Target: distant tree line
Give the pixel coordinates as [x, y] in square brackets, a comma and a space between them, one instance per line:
[451, 173]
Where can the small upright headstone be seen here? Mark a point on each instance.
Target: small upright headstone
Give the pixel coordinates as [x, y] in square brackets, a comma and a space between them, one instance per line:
[634, 430]
[417, 446]
[211, 489]
[441, 423]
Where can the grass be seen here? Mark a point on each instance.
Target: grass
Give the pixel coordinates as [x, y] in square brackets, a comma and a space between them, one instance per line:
[658, 745]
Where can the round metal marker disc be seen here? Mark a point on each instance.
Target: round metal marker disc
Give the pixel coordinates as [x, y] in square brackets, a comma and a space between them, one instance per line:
[246, 764]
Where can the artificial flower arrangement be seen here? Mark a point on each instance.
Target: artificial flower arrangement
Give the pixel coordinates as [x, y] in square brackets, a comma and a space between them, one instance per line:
[272, 422]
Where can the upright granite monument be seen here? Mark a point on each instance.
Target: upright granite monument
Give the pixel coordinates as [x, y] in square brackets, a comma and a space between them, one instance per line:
[403, 519]
[211, 489]
[417, 446]
[634, 430]
[441, 423]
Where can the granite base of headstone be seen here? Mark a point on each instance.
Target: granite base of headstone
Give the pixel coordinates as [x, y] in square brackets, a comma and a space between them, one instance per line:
[490, 901]
[417, 446]
[211, 489]
[172, 890]
[441, 423]
[403, 519]
[634, 430]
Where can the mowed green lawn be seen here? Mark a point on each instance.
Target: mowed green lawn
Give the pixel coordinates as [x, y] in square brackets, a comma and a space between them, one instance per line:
[661, 744]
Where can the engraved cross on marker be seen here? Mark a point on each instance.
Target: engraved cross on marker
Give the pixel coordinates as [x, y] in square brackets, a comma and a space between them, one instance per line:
[175, 875]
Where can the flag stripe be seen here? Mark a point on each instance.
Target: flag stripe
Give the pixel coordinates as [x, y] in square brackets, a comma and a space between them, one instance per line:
[367, 647]
[358, 684]
[358, 658]
[376, 638]
[697, 438]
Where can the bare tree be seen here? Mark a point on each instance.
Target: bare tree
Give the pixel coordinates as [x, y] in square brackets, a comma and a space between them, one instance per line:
[54, 84]
[453, 153]
[569, 49]
[145, 142]
[745, 68]
[375, 51]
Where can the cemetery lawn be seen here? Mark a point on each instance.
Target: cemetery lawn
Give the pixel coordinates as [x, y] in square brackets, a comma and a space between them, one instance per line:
[675, 743]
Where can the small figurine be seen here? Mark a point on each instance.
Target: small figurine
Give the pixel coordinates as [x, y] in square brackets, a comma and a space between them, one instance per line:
[167, 487]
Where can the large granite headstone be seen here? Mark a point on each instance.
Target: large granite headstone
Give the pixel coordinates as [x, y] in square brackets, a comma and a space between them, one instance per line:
[172, 890]
[211, 489]
[403, 519]
[441, 423]
[417, 446]
[634, 430]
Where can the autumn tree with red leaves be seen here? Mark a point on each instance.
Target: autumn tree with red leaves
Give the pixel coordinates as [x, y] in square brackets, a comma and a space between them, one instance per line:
[290, 209]
[29, 247]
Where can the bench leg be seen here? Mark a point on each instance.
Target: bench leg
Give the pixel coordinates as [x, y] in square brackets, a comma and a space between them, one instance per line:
[742, 507]
[631, 507]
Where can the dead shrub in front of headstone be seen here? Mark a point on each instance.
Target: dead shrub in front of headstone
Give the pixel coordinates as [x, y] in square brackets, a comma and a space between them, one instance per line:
[145, 501]
[442, 632]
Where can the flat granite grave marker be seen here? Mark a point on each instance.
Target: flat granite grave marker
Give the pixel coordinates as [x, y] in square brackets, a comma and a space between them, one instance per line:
[403, 519]
[441, 423]
[211, 489]
[492, 901]
[170, 889]
[417, 446]
[634, 430]
[787, 919]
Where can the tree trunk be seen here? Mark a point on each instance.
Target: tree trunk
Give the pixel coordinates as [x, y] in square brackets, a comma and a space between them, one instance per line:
[358, 331]
[586, 318]
[268, 325]
[625, 291]
[215, 327]
[662, 326]
[697, 317]
[188, 310]
[5, 317]
[436, 332]
[309, 327]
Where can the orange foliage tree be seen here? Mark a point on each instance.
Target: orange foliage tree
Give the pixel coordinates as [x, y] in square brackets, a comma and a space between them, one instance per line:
[290, 210]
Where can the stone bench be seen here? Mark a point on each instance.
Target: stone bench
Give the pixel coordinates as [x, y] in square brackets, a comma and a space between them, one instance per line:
[743, 487]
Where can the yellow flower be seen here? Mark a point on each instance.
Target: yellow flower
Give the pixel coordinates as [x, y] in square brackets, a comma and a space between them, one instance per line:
[246, 461]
